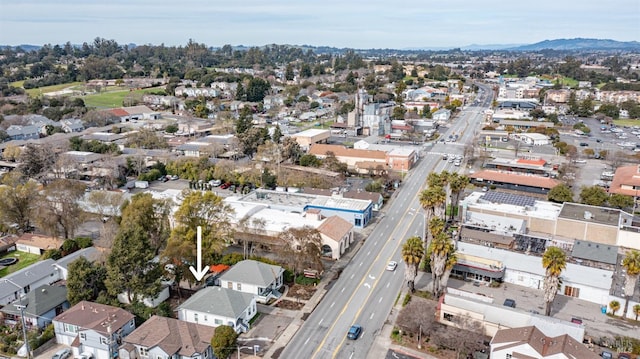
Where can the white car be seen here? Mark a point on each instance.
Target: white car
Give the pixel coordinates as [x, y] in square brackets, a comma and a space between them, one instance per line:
[392, 265]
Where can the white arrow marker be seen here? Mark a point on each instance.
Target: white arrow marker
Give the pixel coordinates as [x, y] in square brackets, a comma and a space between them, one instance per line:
[200, 272]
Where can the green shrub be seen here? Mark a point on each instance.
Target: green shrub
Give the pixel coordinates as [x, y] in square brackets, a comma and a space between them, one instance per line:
[302, 280]
[406, 300]
[84, 242]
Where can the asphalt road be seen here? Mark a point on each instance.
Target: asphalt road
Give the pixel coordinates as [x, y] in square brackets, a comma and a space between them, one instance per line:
[365, 292]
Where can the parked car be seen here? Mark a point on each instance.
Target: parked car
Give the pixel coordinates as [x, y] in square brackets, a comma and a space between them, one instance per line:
[576, 320]
[509, 303]
[225, 185]
[392, 265]
[354, 332]
[86, 355]
[62, 354]
[606, 355]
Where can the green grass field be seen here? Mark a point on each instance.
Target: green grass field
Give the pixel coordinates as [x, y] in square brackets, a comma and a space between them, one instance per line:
[627, 122]
[24, 260]
[47, 89]
[111, 99]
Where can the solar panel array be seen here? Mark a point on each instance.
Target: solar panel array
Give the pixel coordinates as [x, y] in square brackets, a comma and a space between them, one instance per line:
[509, 198]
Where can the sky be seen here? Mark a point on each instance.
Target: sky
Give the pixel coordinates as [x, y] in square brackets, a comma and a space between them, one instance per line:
[362, 24]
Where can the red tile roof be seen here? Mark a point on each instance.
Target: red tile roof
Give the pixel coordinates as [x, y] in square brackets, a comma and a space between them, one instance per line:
[629, 176]
[538, 162]
[513, 178]
[218, 268]
[119, 112]
[335, 228]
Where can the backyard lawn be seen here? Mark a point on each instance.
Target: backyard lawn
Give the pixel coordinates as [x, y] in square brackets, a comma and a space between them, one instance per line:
[24, 260]
[626, 122]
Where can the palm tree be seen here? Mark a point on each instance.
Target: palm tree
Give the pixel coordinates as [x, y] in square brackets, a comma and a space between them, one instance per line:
[412, 253]
[430, 199]
[440, 251]
[636, 310]
[631, 264]
[554, 261]
[436, 226]
[457, 184]
[615, 306]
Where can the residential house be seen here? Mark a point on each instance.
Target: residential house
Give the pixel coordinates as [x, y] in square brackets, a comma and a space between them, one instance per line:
[215, 306]
[93, 328]
[37, 244]
[19, 283]
[72, 125]
[260, 279]
[91, 254]
[531, 342]
[17, 132]
[161, 338]
[337, 236]
[41, 305]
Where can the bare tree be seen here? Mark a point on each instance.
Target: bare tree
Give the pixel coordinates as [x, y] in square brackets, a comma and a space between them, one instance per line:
[417, 316]
[301, 249]
[59, 211]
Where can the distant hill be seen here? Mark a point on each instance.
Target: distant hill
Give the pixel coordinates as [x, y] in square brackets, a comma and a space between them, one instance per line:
[579, 44]
[25, 47]
[476, 47]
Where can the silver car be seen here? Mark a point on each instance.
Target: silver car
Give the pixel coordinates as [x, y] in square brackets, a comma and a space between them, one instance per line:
[62, 354]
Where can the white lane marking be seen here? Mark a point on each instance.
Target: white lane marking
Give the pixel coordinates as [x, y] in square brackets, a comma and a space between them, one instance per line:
[360, 265]
[388, 285]
[352, 275]
[367, 285]
[369, 252]
[371, 316]
[343, 288]
[307, 341]
[332, 304]
[375, 243]
[320, 322]
[371, 277]
[380, 300]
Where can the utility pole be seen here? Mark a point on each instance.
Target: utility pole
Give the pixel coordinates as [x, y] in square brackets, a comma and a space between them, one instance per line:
[24, 328]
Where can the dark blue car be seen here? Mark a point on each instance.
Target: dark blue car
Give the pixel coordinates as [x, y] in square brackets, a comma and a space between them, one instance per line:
[354, 332]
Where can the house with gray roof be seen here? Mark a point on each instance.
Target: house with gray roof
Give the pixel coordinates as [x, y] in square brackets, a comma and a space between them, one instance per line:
[21, 282]
[161, 337]
[17, 132]
[91, 254]
[260, 279]
[41, 306]
[72, 125]
[215, 306]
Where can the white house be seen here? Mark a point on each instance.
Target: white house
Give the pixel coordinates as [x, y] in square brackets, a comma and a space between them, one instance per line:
[253, 277]
[215, 306]
[441, 115]
[161, 337]
[89, 328]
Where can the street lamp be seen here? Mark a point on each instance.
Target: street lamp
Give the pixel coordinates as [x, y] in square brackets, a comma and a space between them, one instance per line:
[24, 328]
